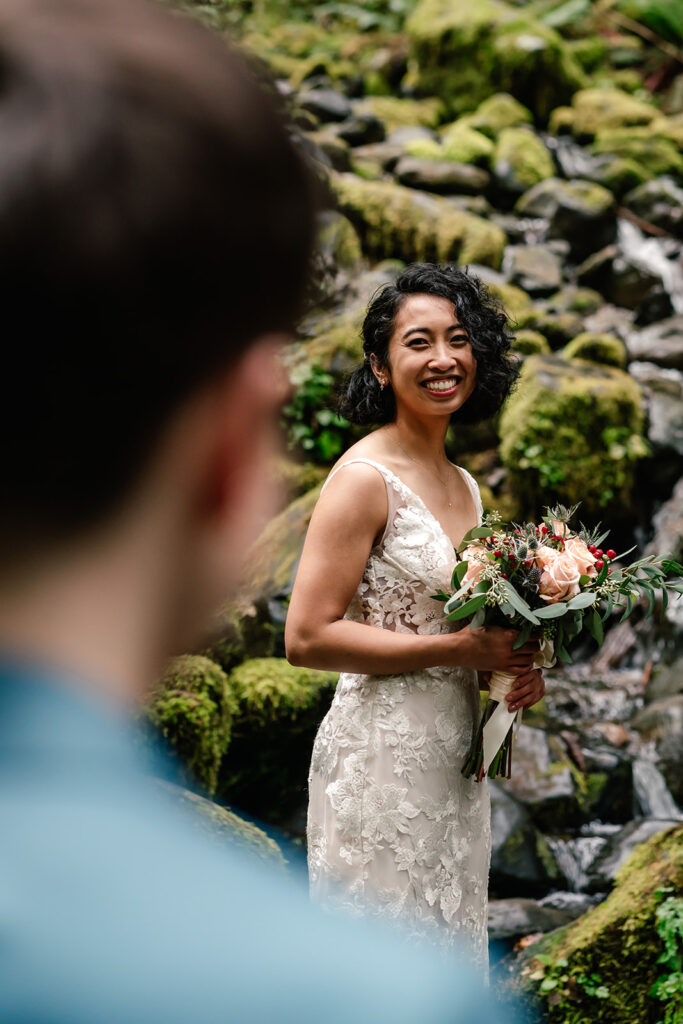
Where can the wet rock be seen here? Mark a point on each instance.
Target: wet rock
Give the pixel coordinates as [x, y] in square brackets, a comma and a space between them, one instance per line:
[657, 153]
[560, 429]
[659, 202]
[558, 328]
[399, 113]
[335, 151]
[478, 205]
[541, 779]
[662, 721]
[529, 343]
[464, 144]
[521, 230]
[360, 129]
[441, 176]
[668, 681]
[326, 104]
[498, 112]
[520, 161]
[668, 527]
[385, 154]
[652, 796]
[535, 268]
[600, 110]
[512, 918]
[410, 133]
[572, 299]
[399, 222]
[623, 281]
[338, 242]
[609, 319]
[663, 392]
[618, 848]
[521, 860]
[662, 343]
[581, 212]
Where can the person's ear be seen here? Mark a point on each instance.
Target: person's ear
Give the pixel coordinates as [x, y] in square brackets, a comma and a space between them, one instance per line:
[379, 370]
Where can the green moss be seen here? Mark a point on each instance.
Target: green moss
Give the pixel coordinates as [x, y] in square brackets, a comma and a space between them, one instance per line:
[394, 221]
[336, 344]
[226, 828]
[572, 432]
[561, 121]
[621, 174]
[557, 327]
[338, 237]
[465, 145]
[597, 348]
[572, 299]
[400, 113]
[590, 51]
[601, 968]
[425, 149]
[601, 110]
[651, 150]
[529, 343]
[280, 709]
[497, 112]
[193, 707]
[525, 154]
[516, 302]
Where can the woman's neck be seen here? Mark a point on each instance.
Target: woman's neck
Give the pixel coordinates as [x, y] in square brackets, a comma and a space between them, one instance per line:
[420, 441]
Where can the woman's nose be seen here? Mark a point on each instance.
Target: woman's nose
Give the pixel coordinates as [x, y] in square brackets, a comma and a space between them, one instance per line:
[442, 355]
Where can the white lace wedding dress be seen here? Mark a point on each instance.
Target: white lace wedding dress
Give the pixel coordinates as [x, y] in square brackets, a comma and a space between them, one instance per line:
[393, 827]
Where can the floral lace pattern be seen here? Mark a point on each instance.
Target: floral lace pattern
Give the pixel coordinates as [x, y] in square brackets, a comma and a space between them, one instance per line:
[393, 827]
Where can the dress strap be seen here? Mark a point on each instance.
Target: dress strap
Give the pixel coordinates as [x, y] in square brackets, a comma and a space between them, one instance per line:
[476, 494]
[386, 473]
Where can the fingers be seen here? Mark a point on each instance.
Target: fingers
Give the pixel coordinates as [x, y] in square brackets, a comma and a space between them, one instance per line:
[528, 690]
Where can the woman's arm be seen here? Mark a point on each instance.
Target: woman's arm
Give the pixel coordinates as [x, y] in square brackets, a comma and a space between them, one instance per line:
[350, 514]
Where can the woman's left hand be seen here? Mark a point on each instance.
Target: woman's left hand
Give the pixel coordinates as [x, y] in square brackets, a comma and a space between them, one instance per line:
[528, 689]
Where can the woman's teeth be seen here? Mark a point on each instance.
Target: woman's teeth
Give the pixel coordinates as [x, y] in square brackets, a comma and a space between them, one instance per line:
[441, 385]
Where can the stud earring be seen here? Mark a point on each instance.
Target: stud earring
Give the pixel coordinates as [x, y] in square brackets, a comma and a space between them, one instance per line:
[382, 384]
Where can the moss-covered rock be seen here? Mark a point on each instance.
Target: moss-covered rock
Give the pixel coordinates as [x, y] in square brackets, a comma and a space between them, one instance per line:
[338, 241]
[657, 153]
[335, 343]
[521, 160]
[395, 221]
[193, 708]
[561, 121]
[530, 343]
[225, 828]
[466, 145]
[597, 348]
[601, 110]
[558, 328]
[461, 50]
[572, 299]
[580, 212]
[400, 113]
[516, 302]
[279, 710]
[497, 112]
[620, 174]
[573, 431]
[601, 968]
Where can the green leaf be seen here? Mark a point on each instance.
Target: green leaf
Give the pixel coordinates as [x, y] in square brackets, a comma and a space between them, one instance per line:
[473, 605]
[562, 653]
[478, 619]
[524, 634]
[508, 610]
[551, 611]
[519, 604]
[608, 609]
[583, 600]
[441, 596]
[458, 573]
[583, 579]
[628, 609]
[595, 625]
[482, 587]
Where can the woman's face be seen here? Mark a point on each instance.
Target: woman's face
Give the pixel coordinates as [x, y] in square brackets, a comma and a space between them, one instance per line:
[432, 368]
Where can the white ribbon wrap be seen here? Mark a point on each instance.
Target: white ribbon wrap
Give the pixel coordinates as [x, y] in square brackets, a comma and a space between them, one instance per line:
[500, 722]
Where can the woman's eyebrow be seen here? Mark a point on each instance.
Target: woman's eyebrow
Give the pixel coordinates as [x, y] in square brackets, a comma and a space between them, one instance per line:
[428, 330]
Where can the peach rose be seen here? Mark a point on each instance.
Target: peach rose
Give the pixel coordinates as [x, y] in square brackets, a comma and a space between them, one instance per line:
[545, 556]
[561, 529]
[560, 580]
[585, 561]
[476, 559]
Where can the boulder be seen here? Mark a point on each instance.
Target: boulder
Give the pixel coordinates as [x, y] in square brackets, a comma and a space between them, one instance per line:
[573, 299]
[395, 113]
[597, 348]
[625, 281]
[225, 828]
[464, 144]
[529, 343]
[579, 211]
[618, 849]
[335, 152]
[192, 706]
[360, 129]
[520, 161]
[498, 112]
[557, 328]
[663, 393]
[521, 860]
[572, 431]
[338, 242]
[602, 967]
[395, 221]
[515, 917]
[542, 779]
[617, 173]
[461, 51]
[384, 155]
[534, 268]
[279, 709]
[668, 681]
[326, 104]
[668, 529]
[659, 202]
[654, 151]
[662, 721]
[441, 176]
[661, 343]
[599, 110]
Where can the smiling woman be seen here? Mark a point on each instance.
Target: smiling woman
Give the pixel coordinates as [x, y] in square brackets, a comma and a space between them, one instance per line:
[393, 826]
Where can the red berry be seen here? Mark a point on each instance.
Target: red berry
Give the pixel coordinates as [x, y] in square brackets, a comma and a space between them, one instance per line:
[611, 553]
[592, 548]
[498, 554]
[528, 562]
[609, 572]
[505, 575]
[598, 553]
[544, 529]
[599, 564]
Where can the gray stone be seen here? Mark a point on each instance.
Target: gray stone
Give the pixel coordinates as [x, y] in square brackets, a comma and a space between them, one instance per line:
[541, 780]
[663, 392]
[410, 133]
[441, 176]
[386, 154]
[661, 343]
[579, 211]
[535, 268]
[610, 319]
[326, 104]
[621, 280]
[360, 129]
[668, 681]
[662, 721]
[521, 860]
[619, 847]
[513, 918]
[659, 202]
[668, 527]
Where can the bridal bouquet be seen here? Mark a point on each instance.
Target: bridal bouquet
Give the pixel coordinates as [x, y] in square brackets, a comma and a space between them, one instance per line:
[550, 583]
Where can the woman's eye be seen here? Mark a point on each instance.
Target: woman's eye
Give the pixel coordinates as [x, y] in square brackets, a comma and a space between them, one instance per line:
[417, 341]
[460, 339]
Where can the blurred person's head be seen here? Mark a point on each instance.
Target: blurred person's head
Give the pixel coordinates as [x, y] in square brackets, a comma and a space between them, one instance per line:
[155, 227]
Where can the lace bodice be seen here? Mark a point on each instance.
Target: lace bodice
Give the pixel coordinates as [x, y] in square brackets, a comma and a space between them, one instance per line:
[393, 827]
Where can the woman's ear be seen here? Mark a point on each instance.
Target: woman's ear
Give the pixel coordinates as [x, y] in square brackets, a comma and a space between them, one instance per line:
[378, 370]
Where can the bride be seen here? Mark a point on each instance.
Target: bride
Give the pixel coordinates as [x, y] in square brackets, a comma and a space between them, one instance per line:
[393, 827]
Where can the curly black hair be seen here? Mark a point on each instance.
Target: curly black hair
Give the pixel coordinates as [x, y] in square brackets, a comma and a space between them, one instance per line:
[363, 402]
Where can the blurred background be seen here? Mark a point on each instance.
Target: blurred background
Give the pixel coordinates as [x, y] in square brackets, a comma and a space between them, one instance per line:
[542, 145]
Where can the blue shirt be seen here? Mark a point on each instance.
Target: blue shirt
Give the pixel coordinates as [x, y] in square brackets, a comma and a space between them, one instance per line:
[113, 908]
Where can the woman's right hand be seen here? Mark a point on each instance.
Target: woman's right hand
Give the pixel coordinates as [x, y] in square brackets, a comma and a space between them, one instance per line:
[489, 649]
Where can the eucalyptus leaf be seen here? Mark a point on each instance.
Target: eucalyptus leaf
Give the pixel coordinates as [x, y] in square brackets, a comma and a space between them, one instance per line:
[551, 611]
[478, 619]
[596, 625]
[458, 573]
[583, 600]
[519, 604]
[524, 634]
[473, 605]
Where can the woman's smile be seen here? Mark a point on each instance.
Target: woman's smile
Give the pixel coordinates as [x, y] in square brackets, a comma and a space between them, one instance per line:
[443, 387]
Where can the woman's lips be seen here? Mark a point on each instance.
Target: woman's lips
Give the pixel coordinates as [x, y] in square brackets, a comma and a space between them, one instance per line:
[442, 388]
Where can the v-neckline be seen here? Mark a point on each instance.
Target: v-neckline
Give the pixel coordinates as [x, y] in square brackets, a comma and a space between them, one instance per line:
[422, 502]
